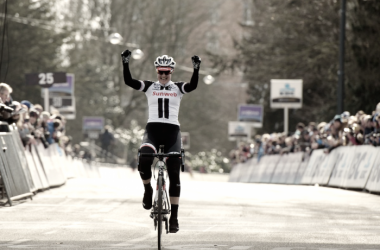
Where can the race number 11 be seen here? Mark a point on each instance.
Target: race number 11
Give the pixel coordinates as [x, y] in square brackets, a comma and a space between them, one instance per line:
[163, 108]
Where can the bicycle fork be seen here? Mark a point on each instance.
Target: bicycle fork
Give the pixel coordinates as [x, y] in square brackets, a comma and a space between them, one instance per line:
[165, 210]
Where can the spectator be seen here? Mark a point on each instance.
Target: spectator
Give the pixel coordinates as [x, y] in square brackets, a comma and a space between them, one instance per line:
[39, 108]
[299, 128]
[27, 103]
[305, 141]
[343, 130]
[5, 92]
[106, 140]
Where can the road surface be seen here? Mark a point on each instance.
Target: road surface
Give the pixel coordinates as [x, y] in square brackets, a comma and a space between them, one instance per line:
[107, 213]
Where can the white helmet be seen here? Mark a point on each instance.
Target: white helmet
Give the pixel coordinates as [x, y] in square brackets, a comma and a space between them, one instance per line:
[165, 63]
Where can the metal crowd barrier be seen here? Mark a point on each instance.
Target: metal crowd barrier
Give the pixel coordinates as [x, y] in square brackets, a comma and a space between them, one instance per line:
[23, 171]
[351, 167]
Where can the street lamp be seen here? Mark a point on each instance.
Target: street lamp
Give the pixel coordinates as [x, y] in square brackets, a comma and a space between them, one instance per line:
[137, 54]
[209, 79]
[115, 38]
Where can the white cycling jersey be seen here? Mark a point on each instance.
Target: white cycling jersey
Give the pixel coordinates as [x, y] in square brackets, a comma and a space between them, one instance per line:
[163, 101]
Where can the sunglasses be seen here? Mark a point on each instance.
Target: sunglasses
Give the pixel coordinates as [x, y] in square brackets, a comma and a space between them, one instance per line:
[164, 72]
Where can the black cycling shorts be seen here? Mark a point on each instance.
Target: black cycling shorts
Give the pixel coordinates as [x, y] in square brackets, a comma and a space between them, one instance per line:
[157, 133]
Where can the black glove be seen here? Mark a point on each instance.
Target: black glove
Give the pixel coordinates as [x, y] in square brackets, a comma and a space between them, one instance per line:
[196, 61]
[125, 56]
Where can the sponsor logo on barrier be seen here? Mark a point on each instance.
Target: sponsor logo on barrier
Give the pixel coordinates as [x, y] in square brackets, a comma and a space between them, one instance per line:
[353, 172]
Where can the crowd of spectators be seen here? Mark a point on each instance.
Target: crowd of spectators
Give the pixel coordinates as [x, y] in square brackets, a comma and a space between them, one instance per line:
[343, 130]
[34, 124]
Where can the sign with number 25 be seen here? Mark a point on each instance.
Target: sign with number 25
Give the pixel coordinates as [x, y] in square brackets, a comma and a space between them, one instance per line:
[45, 80]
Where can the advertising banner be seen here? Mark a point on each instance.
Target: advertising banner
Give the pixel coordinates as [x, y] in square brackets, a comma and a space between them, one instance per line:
[323, 173]
[344, 160]
[277, 173]
[286, 93]
[269, 168]
[361, 166]
[373, 183]
[302, 167]
[235, 173]
[294, 164]
[92, 126]
[255, 175]
[286, 169]
[238, 130]
[251, 113]
[251, 166]
[315, 160]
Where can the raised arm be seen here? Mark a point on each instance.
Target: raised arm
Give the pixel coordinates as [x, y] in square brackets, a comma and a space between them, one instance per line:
[192, 85]
[135, 84]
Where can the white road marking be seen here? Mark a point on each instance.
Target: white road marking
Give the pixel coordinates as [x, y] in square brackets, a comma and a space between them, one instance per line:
[23, 246]
[143, 238]
[240, 247]
[51, 232]
[208, 229]
[196, 246]
[129, 223]
[75, 225]
[68, 205]
[14, 242]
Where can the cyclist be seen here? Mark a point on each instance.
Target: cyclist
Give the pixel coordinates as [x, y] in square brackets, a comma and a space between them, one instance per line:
[164, 97]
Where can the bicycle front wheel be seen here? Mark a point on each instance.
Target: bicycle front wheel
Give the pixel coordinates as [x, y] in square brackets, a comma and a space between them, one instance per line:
[159, 219]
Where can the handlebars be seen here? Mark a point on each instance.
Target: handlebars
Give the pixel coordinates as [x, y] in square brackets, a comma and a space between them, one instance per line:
[161, 156]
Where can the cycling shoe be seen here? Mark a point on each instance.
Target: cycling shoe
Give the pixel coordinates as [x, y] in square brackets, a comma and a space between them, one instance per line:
[173, 226]
[147, 200]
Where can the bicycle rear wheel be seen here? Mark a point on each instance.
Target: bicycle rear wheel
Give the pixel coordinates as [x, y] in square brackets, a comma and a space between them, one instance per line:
[159, 219]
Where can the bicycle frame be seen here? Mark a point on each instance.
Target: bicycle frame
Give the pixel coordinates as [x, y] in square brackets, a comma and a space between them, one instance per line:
[165, 211]
[161, 206]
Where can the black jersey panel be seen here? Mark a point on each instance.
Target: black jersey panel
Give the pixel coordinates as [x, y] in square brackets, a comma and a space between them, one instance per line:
[147, 85]
[180, 86]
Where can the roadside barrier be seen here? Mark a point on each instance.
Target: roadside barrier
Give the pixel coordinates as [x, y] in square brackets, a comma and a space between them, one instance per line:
[23, 171]
[351, 167]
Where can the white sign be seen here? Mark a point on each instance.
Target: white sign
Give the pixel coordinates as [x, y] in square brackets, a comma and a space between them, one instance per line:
[62, 98]
[239, 130]
[286, 93]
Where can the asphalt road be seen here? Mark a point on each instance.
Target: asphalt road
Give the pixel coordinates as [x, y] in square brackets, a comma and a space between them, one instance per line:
[214, 214]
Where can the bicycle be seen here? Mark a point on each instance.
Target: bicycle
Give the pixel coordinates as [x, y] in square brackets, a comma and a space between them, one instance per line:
[161, 205]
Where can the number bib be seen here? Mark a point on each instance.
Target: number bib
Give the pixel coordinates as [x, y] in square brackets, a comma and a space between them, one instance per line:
[163, 101]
